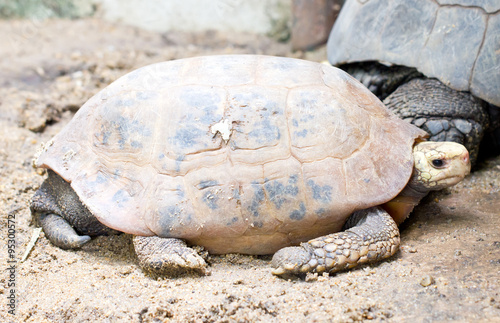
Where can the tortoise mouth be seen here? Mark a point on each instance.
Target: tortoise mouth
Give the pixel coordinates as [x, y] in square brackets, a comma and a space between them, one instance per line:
[449, 181]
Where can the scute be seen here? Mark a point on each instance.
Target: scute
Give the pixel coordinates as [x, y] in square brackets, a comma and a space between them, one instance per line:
[303, 152]
[455, 41]
[490, 6]
[487, 69]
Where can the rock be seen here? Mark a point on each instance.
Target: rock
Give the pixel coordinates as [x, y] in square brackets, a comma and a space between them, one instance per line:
[427, 280]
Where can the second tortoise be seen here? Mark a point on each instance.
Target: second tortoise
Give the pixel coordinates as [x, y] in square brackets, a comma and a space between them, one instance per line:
[434, 63]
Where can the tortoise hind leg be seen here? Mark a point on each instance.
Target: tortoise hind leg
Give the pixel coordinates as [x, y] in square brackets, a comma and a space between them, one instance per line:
[67, 223]
[167, 257]
[60, 233]
[371, 235]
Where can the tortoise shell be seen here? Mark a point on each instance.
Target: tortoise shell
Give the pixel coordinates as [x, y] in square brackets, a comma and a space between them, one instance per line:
[455, 41]
[240, 154]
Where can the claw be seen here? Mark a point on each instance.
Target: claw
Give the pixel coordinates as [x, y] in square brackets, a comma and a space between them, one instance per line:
[290, 260]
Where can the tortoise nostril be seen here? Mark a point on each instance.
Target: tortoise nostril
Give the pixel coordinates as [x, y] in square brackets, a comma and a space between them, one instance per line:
[465, 158]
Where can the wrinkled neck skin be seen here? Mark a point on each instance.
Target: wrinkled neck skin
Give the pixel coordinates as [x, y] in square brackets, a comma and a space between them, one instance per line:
[402, 205]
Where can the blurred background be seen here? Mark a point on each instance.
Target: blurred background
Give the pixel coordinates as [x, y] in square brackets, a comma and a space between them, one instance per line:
[80, 46]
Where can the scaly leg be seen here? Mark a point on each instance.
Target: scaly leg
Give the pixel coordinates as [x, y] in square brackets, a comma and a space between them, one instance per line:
[372, 235]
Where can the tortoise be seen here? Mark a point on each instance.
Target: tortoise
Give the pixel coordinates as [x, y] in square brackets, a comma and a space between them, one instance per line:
[239, 154]
[434, 63]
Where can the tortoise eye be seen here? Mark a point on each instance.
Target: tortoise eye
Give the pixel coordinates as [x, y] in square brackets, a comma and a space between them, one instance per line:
[437, 163]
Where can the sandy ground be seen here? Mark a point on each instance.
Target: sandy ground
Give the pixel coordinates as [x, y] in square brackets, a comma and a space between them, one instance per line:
[448, 268]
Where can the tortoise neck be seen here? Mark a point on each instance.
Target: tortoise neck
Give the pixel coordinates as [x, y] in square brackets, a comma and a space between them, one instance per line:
[402, 205]
[414, 190]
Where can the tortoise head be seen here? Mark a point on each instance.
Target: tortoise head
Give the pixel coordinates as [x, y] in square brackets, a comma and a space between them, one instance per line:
[436, 165]
[439, 164]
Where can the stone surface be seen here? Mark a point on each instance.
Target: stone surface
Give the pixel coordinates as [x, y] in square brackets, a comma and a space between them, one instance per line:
[312, 21]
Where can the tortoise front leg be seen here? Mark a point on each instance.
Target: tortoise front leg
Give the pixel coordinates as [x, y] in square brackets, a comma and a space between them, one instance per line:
[372, 235]
[167, 257]
[444, 113]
